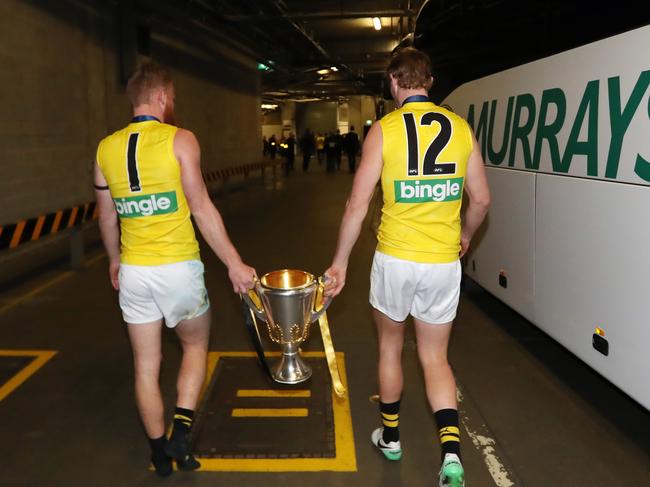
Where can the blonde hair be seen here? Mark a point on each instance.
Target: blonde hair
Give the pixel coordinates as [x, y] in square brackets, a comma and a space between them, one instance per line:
[411, 68]
[147, 77]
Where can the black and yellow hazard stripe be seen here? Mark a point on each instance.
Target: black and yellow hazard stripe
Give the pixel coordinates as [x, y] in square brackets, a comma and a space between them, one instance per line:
[15, 234]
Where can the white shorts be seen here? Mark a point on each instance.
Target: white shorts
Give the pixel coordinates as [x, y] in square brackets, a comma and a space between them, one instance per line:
[429, 292]
[175, 292]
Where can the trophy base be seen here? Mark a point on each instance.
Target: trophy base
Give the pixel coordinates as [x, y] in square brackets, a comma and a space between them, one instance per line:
[291, 369]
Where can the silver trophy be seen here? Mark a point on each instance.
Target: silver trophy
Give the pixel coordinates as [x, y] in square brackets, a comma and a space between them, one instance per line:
[285, 301]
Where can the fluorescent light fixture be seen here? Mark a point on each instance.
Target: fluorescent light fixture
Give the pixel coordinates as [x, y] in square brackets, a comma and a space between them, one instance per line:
[376, 23]
[334, 68]
[269, 106]
[323, 71]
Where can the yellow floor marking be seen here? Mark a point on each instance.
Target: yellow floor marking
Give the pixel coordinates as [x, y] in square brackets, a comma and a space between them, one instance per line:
[270, 413]
[39, 289]
[345, 459]
[41, 357]
[273, 393]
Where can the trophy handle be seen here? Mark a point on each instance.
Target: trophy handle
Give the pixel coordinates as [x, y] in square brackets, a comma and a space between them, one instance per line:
[252, 299]
[321, 303]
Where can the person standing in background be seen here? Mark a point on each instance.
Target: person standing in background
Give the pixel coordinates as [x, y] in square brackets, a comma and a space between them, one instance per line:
[290, 151]
[273, 146]
[307, 148]
[338, 148]
[351, 144]
[320, 147]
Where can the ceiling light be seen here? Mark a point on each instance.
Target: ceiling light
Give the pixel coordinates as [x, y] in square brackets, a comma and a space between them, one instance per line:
[323, 71]
[334, 68]
[269, 106]
[376, 23]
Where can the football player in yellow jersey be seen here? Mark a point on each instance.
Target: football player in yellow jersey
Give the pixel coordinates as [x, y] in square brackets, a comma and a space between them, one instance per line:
[148, 181]
[425, 157]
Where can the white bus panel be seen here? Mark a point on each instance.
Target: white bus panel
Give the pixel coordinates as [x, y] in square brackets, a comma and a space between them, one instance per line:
[566, 140]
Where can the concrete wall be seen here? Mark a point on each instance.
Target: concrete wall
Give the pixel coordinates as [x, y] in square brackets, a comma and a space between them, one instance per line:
[317, 116]
[61, 92]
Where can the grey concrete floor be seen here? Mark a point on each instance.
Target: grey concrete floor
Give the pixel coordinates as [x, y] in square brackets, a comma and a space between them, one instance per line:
[527, 403]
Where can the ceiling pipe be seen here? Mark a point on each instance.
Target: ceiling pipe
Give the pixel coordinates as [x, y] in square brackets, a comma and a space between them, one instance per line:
[323, 15]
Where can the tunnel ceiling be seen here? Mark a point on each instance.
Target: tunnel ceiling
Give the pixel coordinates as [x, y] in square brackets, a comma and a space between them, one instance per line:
[474, 38]
[466, 39]
[297, 38]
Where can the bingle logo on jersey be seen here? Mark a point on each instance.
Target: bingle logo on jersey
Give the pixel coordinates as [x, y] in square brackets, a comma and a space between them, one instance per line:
[146, 205]
[427, 190]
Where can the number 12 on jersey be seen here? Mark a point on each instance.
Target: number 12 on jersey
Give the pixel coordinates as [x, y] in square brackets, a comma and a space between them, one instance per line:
[430, 165]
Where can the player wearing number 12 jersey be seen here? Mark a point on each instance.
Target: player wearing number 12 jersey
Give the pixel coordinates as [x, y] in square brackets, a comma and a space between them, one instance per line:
[148, 181]
[425, 156]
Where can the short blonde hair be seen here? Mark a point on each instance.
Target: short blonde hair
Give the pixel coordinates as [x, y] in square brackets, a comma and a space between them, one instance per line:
[147, 77]
[411, 68]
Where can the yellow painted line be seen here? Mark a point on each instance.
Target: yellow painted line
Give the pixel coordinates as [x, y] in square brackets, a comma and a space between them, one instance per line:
[42, 356]
[273, 393]
[30, 294]
[345, 459]
[270, 413]
[18, 232]
[38, 228]
[56, 222]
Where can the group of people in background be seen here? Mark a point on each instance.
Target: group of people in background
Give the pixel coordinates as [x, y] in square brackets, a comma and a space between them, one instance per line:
[329, 146]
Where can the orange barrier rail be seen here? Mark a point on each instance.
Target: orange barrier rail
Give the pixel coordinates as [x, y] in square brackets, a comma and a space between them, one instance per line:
[15, 234]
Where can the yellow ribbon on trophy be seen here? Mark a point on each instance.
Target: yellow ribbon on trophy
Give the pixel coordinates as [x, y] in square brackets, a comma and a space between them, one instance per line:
[330, 354]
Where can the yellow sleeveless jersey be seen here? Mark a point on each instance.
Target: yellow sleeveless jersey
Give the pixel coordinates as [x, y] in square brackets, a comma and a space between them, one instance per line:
[425, 153]
[144, 179]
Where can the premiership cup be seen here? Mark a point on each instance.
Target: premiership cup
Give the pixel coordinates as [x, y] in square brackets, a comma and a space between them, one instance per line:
[285, 301]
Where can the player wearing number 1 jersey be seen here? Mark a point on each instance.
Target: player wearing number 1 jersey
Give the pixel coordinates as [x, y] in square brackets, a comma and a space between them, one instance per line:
[425, 156]
[148, 182]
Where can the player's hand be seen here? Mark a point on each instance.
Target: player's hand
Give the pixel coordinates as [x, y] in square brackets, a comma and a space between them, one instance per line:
[113, 273]
[334, 280]
[464, 245]
[242, 277]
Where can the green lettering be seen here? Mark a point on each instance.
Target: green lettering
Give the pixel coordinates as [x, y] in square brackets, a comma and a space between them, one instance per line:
[520, 132]
[642, 167]
[480, 130]
[588, 108]
[548, 131]
[619, 120]
[497, 157]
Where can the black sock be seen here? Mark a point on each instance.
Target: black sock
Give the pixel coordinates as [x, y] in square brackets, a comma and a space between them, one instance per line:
[448, 430]
[390, 420]
[178, 446]
[161, 462]
[182, 422]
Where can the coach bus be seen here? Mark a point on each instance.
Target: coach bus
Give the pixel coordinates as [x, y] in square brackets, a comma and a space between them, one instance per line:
[566, 142]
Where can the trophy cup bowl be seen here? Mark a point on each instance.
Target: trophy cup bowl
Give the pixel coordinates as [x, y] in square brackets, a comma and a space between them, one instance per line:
[284, 300]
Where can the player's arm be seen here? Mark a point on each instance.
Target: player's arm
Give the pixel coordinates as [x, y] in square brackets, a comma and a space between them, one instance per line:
[478, 192]
[207, 217]
[109, 226]
[365, 181]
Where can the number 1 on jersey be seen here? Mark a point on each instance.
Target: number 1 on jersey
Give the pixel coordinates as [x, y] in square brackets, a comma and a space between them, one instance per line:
[430, 165]
[132, 163]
